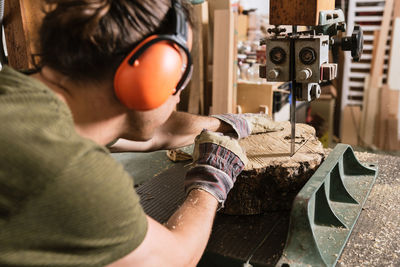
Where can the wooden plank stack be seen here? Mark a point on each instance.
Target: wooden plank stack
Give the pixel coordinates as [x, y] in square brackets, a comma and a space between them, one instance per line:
[370, 104]
[378, 123]
[387, 129]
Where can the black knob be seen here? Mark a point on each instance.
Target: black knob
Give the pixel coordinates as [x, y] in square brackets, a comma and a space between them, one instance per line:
[277, 55]
[307, 55]
[354, 43]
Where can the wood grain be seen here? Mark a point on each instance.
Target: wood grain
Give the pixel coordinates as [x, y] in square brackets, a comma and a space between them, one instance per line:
[223, 86]
[394, 62]
[196, 86]
[298, 12]
[272, 178]
[22, 20]
[370, 110]
[252, 95]
[350, 125]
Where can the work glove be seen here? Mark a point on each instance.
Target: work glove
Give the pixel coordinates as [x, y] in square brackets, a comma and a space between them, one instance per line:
[217, 161]
[249, 123]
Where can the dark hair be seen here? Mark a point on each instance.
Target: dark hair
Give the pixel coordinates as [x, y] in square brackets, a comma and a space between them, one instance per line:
[87, 39]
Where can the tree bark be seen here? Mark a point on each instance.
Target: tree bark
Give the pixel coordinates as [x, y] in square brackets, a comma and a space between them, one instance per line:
[272, 178]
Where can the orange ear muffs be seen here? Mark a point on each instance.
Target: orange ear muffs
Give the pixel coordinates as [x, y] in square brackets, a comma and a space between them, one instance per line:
[146, 81]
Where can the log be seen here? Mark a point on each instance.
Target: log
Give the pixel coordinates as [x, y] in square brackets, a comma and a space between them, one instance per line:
[272, 178]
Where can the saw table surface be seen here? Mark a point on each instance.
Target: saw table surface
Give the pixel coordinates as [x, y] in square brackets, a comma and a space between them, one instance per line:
[375, 240]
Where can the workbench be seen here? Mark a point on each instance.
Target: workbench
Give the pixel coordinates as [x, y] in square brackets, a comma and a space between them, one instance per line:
[375, 240]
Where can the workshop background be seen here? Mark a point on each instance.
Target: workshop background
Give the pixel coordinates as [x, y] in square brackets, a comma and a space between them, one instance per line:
[359, 108]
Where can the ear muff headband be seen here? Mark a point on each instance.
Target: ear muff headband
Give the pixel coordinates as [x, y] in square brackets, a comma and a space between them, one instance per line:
[175, 40]
[147, 79]
[153, 71]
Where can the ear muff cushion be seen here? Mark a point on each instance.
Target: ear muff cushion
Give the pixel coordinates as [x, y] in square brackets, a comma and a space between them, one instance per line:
[153, 77]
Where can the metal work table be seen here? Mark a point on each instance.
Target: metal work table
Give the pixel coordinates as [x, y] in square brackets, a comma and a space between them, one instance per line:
[375, 240]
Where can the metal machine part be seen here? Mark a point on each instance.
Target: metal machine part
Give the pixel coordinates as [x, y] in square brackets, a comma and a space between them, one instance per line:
[311, 53]
[330, 22]
[354, 43]
[309, 91]
[2, 45]
[327, 208]
[278, 56]
[259, 240]
[302, 58]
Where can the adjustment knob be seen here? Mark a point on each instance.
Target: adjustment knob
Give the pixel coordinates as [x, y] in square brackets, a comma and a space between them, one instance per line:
[315, 91]
[304, 74]
[273, 74]
[354, 43]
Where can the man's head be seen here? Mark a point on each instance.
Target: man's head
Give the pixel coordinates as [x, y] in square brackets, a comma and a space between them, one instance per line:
[157, 67]
[87, 40]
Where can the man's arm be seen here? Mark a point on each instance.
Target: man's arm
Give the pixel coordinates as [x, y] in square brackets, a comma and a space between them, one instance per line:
[182, 240]
[179, 130]
[217, 162]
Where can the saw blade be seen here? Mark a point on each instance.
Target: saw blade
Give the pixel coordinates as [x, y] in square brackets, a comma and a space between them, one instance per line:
[293, 119]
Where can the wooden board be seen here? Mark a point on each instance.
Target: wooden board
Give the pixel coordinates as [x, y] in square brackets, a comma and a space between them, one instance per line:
[386, 134]
[298, 12]
[250, 96]
[394, 62]
[212, 7]
[388, 108]
[196, 88]
[223, 61]
[324, 108]
[393, 142]
[243, 21]
[370, 110]
[272, 178]
[22, 19]
[350, 125]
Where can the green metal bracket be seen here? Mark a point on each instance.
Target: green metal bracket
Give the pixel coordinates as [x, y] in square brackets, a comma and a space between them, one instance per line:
[330, 21]
[196, 2]
[325, 210]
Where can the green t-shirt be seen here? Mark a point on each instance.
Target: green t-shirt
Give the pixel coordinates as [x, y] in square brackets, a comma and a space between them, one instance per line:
[64, 201]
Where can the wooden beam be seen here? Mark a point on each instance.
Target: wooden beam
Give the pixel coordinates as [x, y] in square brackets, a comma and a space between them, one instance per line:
[22, 20]
[223, 62]
[394, 65]
[250, 96]
[392, 134]
[394, 62]
[388, 107]
[196, 88]
[298, 12]
[16, 41]
[350, 125]
[370, 110]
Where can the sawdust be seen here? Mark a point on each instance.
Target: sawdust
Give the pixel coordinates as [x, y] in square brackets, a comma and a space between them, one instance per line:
[375, 240]
[273, 149]
[176, 155]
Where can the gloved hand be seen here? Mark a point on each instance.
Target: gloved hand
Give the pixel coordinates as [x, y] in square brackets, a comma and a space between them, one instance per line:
[249, 123]
[217, 161]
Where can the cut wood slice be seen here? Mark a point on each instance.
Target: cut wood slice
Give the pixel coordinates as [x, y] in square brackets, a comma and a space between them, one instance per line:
[272, 178]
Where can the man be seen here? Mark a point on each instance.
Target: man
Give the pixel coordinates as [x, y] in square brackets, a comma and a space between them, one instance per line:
[109, 70]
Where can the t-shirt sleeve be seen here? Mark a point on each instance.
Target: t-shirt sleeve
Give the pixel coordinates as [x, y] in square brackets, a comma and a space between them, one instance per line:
[90, 214]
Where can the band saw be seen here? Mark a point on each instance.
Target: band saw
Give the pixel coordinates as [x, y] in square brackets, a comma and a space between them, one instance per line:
[315, 231]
